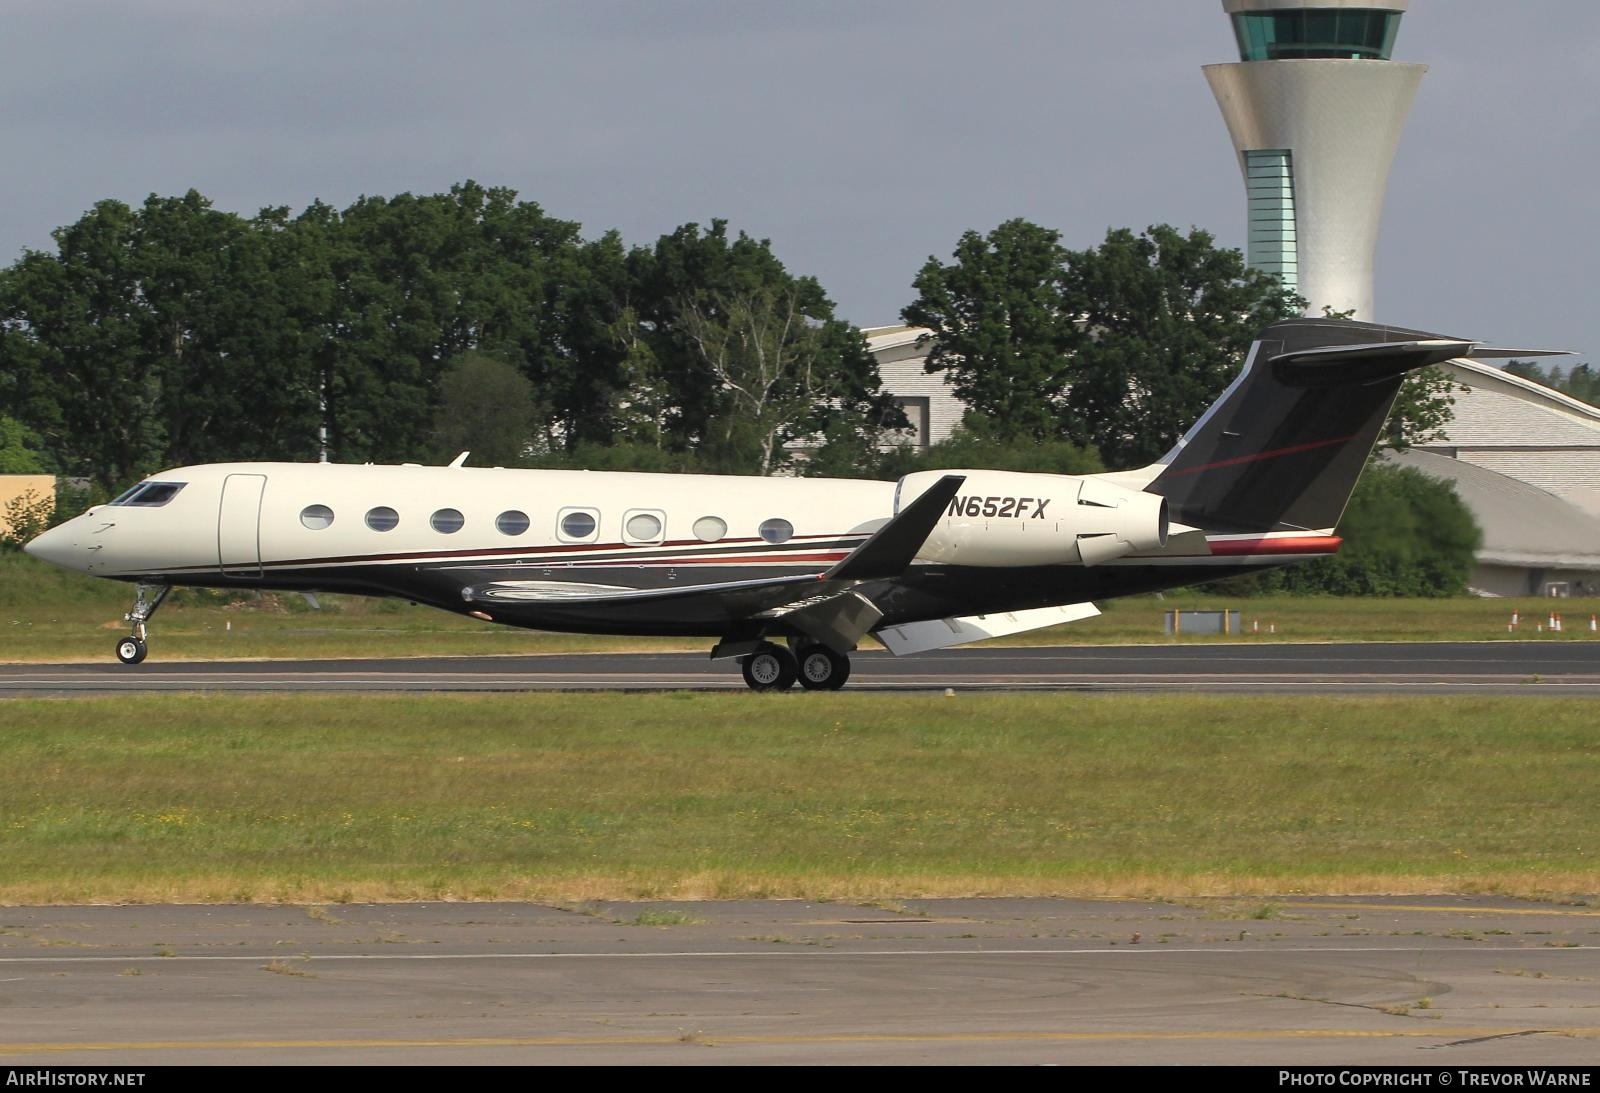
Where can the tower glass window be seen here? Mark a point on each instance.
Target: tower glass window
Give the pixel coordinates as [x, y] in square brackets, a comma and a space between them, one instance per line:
[1269, 190]
[1353, 33]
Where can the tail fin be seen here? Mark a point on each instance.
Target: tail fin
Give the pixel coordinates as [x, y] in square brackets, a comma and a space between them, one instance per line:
[1283, 447]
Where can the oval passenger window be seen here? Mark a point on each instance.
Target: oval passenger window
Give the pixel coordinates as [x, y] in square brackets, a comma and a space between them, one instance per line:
[383, 518]
[577, 525]
[512, 522]
[316, 517]
[447, 521]
[644, 525]
[708, 529]
[777, 530]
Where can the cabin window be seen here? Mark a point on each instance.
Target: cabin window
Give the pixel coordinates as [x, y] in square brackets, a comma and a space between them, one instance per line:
[512, 522]
[150, 494]
[577, 525]
[447, 521]
[643, 526]
[708, 529]
[316, 517]
[383, 518]
[777, 530]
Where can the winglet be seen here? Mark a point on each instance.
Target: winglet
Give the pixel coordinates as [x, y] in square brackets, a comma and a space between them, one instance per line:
[891, 548]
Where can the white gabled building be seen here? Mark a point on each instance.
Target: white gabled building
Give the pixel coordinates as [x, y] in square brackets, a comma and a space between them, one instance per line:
[1525, 430]
[929, 404]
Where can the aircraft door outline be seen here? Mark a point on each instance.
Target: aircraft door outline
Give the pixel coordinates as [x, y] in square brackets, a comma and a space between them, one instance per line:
[239, 525]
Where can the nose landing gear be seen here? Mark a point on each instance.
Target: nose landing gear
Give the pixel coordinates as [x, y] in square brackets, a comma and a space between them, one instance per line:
[147, 598]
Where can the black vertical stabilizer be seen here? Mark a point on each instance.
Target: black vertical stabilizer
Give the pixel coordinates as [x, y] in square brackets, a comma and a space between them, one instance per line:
[1282, 448]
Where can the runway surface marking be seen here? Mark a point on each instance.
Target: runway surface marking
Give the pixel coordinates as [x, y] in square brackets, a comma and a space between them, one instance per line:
[704, 1039]
[1574, 912]
[1109, 950]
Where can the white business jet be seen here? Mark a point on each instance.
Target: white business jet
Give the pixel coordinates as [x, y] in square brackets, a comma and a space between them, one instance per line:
[787, 574]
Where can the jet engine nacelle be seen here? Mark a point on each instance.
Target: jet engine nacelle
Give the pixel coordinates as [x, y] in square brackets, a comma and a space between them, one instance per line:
[1007, 518]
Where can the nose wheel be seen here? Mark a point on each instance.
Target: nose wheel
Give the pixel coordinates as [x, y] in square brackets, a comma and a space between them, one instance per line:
[146, 599]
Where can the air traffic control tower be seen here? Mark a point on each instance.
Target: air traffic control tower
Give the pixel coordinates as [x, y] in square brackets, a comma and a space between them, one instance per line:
[1315, 108]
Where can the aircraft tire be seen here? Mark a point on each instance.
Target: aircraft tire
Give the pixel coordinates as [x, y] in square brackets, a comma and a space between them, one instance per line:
[821, 669]
[770, 668]
[130, 650]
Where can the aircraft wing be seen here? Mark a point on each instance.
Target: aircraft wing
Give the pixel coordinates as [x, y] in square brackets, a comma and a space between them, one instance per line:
[919, 637]
[825, 606]
[891, 548]
[566, 592]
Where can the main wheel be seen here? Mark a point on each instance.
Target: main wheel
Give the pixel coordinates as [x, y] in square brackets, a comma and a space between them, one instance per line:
[821, 669]
[131, 650]
[770, 668]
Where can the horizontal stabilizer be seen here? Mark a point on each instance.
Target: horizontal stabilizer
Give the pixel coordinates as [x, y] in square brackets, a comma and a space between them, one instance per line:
[1344, 364]
[890, 550]
[919, 637]
[1489, 353]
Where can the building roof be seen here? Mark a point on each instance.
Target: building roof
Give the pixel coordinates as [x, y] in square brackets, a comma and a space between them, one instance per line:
[1520, 413]
[1522, 524]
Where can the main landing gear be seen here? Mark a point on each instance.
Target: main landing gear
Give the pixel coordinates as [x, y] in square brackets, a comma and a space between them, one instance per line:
[776, 668]
[146, 599]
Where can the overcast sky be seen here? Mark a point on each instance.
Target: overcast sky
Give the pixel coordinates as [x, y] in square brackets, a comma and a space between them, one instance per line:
[860, 136]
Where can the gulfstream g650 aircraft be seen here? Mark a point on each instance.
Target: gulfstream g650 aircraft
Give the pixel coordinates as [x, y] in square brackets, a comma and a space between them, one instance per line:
[787, 574]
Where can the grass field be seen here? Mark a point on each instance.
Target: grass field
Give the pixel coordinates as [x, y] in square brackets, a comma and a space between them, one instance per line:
[47, 614]
[570, 797]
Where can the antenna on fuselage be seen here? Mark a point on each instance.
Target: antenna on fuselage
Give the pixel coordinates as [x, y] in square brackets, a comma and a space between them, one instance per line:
[460, 460]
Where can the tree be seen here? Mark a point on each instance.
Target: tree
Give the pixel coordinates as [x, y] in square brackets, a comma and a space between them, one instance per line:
[155, 336]
[175, 333]
[744, 362]
[1581, 382]
[1119, 347]
[411, 282]
[486, 407]
[1422, 411]
[965, 448]
[80, 349]
[1167, 320]
[16, 454]
[1002, 331]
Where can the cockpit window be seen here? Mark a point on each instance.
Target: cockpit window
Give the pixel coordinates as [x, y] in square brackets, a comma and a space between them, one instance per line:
[150, 494]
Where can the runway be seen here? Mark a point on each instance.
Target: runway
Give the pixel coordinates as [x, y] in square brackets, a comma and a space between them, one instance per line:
[1424, 981]
[1568, 668]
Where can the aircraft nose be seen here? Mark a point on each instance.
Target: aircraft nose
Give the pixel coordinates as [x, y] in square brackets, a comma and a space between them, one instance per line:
[58, 546]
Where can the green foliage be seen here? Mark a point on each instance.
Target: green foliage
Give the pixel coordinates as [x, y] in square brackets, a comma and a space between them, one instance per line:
[174, 333]
[593, 456]
[22, 517]
[1405, 534]
[486, 407]
[738, 360]
[1002, 328]
[1422, 410]
[1167, 321]
[16, 453]
[1581, 382]
[971, 449]
[1118, 348]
